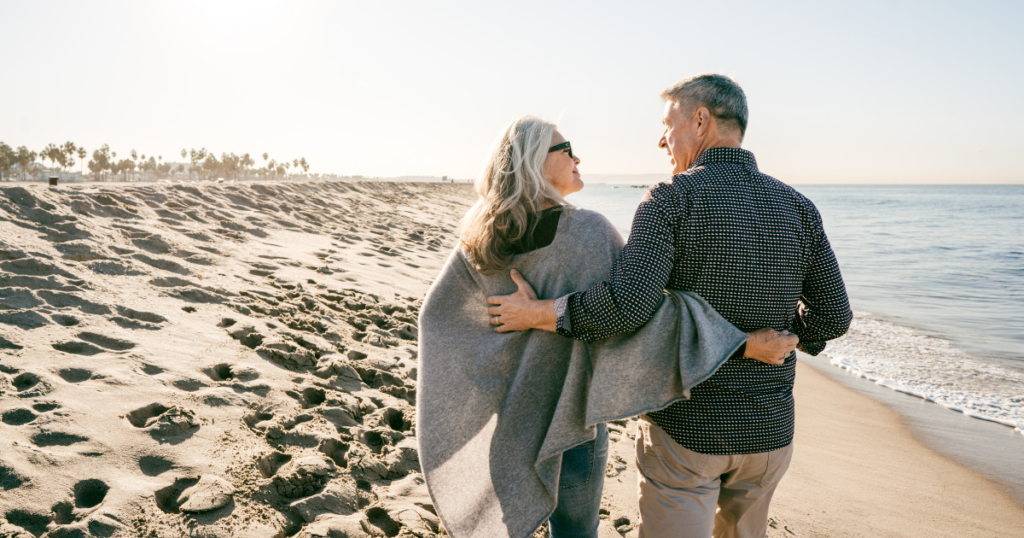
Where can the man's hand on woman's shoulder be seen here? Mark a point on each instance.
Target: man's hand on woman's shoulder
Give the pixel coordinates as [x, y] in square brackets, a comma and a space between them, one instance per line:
[521, 310]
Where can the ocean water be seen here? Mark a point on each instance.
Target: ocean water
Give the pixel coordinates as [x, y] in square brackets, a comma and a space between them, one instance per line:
[935, 275]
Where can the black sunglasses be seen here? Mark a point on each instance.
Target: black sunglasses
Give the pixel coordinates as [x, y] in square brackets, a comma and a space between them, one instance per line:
[560, 147]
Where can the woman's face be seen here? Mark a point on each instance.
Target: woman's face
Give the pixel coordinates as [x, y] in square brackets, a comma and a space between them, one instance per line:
[560, 169]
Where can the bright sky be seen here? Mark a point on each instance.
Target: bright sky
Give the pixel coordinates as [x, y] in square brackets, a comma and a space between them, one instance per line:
[870, 92]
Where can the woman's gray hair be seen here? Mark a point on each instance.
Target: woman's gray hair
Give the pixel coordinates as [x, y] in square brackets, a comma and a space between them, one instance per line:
[720, 94]
[511, 186]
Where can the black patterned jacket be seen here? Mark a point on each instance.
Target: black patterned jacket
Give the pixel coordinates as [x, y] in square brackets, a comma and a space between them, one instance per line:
[756, 250]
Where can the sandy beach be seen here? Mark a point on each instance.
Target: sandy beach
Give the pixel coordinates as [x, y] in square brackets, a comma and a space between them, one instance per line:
[239, 359]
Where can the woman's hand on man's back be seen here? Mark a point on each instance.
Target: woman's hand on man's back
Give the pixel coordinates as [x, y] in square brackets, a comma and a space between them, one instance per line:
[770, 346]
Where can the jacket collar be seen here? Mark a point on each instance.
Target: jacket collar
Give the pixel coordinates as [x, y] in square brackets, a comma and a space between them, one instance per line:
[725, 155]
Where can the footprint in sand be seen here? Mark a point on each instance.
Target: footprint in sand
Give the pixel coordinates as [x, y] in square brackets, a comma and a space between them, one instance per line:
[395, 419]
[18, 416]
[58, 299]
[258, 421]
[312, 397]
[25, 319]
[167, 499]
[90, 493]
[135, 319]
[56, 438]
[10, 479]
[77, 348]
[189, 384]
[65, 320]
[139, 315]
[7, 344]
[30, 385]
[18, 298]
[113, 344]
[63, 513]
[151, 369]
[161, 263]
[336, 449]
[171, 282]
[162, 421]
[226, 372]
[268, 464]
[74, 375]
[44, 407]
[155, 465]
[114, 268]
[154, 244]
[34, 520]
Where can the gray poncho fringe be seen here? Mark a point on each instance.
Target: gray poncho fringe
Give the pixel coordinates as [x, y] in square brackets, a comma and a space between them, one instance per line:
[496, 411]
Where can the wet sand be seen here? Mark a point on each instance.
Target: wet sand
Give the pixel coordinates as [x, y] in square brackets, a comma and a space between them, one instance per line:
[858, 470]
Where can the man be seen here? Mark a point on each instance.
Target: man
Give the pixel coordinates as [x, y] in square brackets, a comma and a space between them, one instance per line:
[756, 250]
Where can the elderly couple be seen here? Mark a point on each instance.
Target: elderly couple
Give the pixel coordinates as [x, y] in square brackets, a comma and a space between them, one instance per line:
[692, 324]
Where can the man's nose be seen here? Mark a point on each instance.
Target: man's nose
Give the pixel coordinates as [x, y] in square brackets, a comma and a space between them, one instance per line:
[662, 143]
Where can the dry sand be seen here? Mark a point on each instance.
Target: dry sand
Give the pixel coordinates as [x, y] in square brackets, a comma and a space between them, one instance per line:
[216, 360]
[239, 360]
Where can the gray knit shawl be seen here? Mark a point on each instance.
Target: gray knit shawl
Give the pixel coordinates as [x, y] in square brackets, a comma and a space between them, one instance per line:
[496, 411]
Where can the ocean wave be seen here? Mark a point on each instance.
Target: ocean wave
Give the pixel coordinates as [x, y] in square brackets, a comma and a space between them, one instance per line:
[909, 361]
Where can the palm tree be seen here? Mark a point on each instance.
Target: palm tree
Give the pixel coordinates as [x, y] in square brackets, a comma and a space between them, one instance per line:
[6, 159]
[81, 157]
[50, 152]
[68, 151]
[304, 165]
[246, 162]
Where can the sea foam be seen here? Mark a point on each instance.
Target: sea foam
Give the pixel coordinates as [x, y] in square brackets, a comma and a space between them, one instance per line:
[910, 361]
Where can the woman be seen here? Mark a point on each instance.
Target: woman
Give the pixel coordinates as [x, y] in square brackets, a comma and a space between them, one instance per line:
[510, 426]
[517, 217]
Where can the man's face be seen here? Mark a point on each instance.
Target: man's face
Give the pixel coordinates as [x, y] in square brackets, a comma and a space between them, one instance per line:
[680, 136]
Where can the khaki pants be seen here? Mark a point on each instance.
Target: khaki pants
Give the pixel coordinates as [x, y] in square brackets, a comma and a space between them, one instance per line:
[680, 489]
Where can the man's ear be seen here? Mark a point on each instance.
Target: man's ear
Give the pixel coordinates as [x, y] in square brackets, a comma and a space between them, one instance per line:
[703, 121]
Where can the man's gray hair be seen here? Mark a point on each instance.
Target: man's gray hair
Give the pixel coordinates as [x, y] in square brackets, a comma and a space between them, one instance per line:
[720, 94]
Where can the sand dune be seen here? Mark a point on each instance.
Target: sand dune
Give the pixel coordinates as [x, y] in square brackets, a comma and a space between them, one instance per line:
[217, 360]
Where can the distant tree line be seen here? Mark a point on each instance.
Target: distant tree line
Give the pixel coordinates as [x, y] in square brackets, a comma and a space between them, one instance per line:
[20, 164]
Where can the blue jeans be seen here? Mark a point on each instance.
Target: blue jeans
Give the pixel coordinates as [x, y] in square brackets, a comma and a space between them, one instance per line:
[580, 485]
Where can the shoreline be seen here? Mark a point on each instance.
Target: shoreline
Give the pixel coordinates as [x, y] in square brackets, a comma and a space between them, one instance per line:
[953, 434]
[859, 469]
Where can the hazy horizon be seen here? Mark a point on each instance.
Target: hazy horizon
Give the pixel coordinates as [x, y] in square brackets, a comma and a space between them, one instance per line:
[881, 92]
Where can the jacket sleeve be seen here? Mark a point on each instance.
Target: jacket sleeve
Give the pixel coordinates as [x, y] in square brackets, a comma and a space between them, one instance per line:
[824, 310]
[633, 291]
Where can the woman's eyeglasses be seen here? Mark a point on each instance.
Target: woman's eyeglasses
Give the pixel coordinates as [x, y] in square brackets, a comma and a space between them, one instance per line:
[559, 147]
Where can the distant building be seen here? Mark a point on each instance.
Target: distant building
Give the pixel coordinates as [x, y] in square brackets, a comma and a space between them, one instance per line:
[43, 175]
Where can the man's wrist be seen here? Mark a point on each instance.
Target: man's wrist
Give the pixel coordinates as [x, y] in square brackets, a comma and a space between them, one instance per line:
[544, 315]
